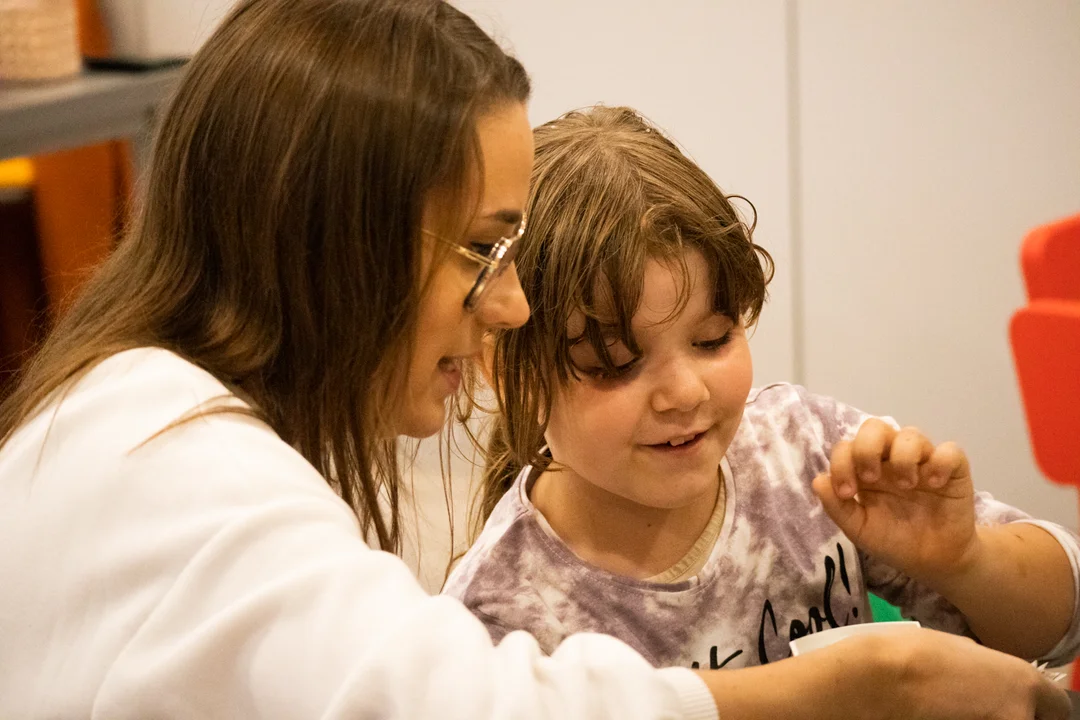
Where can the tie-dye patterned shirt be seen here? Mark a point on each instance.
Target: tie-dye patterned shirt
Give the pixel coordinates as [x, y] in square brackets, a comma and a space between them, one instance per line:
[780, 567]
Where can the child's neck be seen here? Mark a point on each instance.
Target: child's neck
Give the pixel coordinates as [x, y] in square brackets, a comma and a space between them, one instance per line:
[615, 534]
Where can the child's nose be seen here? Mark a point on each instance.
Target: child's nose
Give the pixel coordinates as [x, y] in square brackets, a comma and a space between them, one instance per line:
[504, 305]
[680, 388]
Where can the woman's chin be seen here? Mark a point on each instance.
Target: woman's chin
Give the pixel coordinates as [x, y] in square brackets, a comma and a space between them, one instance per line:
[421, 423]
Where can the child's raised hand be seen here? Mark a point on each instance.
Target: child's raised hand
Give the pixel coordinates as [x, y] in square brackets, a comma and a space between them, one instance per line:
[902, 500]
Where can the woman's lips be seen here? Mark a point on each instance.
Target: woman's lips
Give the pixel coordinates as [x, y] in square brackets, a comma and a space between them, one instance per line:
[450, 368]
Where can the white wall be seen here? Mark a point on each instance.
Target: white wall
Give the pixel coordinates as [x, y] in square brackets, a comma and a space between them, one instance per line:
[897, 151]
[932, 136]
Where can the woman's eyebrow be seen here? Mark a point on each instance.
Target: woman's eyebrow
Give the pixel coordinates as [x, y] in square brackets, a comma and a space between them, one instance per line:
[504, 216]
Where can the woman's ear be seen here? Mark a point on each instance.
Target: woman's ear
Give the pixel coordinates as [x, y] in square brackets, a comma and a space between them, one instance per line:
[487, 359]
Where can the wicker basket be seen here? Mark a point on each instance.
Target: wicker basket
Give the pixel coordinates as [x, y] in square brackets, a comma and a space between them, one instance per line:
[38, 39]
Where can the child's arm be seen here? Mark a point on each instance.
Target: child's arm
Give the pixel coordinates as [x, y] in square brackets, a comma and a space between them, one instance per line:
[915, 511]
[1013, 592]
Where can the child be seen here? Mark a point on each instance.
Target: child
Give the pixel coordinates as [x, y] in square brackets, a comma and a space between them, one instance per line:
[638, 487]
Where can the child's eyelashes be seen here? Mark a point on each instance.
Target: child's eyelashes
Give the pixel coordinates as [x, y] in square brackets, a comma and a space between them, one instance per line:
[602, 373]
[715, 344]
[595, 371]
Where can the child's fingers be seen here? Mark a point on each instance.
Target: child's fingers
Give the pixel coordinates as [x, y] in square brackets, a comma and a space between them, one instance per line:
[842, 471]
[871, 446]
[948, 462]
[847, 513]
[910, 449]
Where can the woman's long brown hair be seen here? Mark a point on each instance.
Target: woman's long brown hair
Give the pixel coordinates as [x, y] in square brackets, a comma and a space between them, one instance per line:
[609, 191]
[277, 242]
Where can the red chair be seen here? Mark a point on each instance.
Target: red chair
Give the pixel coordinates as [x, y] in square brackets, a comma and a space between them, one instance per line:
[1045, 339]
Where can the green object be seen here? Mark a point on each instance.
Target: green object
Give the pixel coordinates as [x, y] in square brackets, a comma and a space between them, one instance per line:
[883, 611]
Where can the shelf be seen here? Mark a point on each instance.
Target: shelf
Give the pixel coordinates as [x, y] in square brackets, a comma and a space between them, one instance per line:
[93, 107]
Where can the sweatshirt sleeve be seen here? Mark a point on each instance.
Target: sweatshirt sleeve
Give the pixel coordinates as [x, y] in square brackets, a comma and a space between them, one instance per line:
[206, 570]
[277, 609]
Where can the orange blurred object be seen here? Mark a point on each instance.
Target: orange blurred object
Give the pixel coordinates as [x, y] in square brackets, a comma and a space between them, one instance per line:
[79, 200]
[21, 293]
[67, 224]
[80, 194]
[1045, 337]
[1046, 347]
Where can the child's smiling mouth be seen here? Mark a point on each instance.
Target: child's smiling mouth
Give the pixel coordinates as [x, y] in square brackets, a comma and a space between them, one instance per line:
[675, 442]
[680, 443]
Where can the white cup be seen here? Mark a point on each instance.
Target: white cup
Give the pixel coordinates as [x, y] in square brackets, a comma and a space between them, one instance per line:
[818, 640]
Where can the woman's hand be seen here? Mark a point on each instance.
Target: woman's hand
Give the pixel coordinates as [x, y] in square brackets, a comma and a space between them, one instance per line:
[948, 676]
[911, 674]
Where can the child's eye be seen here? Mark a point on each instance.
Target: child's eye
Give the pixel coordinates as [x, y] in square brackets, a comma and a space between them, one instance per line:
[715, 344]
[602, 373]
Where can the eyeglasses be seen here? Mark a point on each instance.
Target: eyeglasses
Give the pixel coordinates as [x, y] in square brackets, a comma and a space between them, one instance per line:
[493, 263]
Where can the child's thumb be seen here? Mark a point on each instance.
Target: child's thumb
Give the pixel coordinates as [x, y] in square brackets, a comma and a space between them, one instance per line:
[847, 514]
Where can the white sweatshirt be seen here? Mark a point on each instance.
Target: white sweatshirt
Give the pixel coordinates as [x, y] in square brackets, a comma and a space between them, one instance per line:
[210, 572]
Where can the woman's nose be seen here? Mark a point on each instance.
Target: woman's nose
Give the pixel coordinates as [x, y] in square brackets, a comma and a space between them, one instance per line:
[504, 304]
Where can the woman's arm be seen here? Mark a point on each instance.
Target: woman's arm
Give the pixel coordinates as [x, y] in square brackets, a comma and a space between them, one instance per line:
[899, 676]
